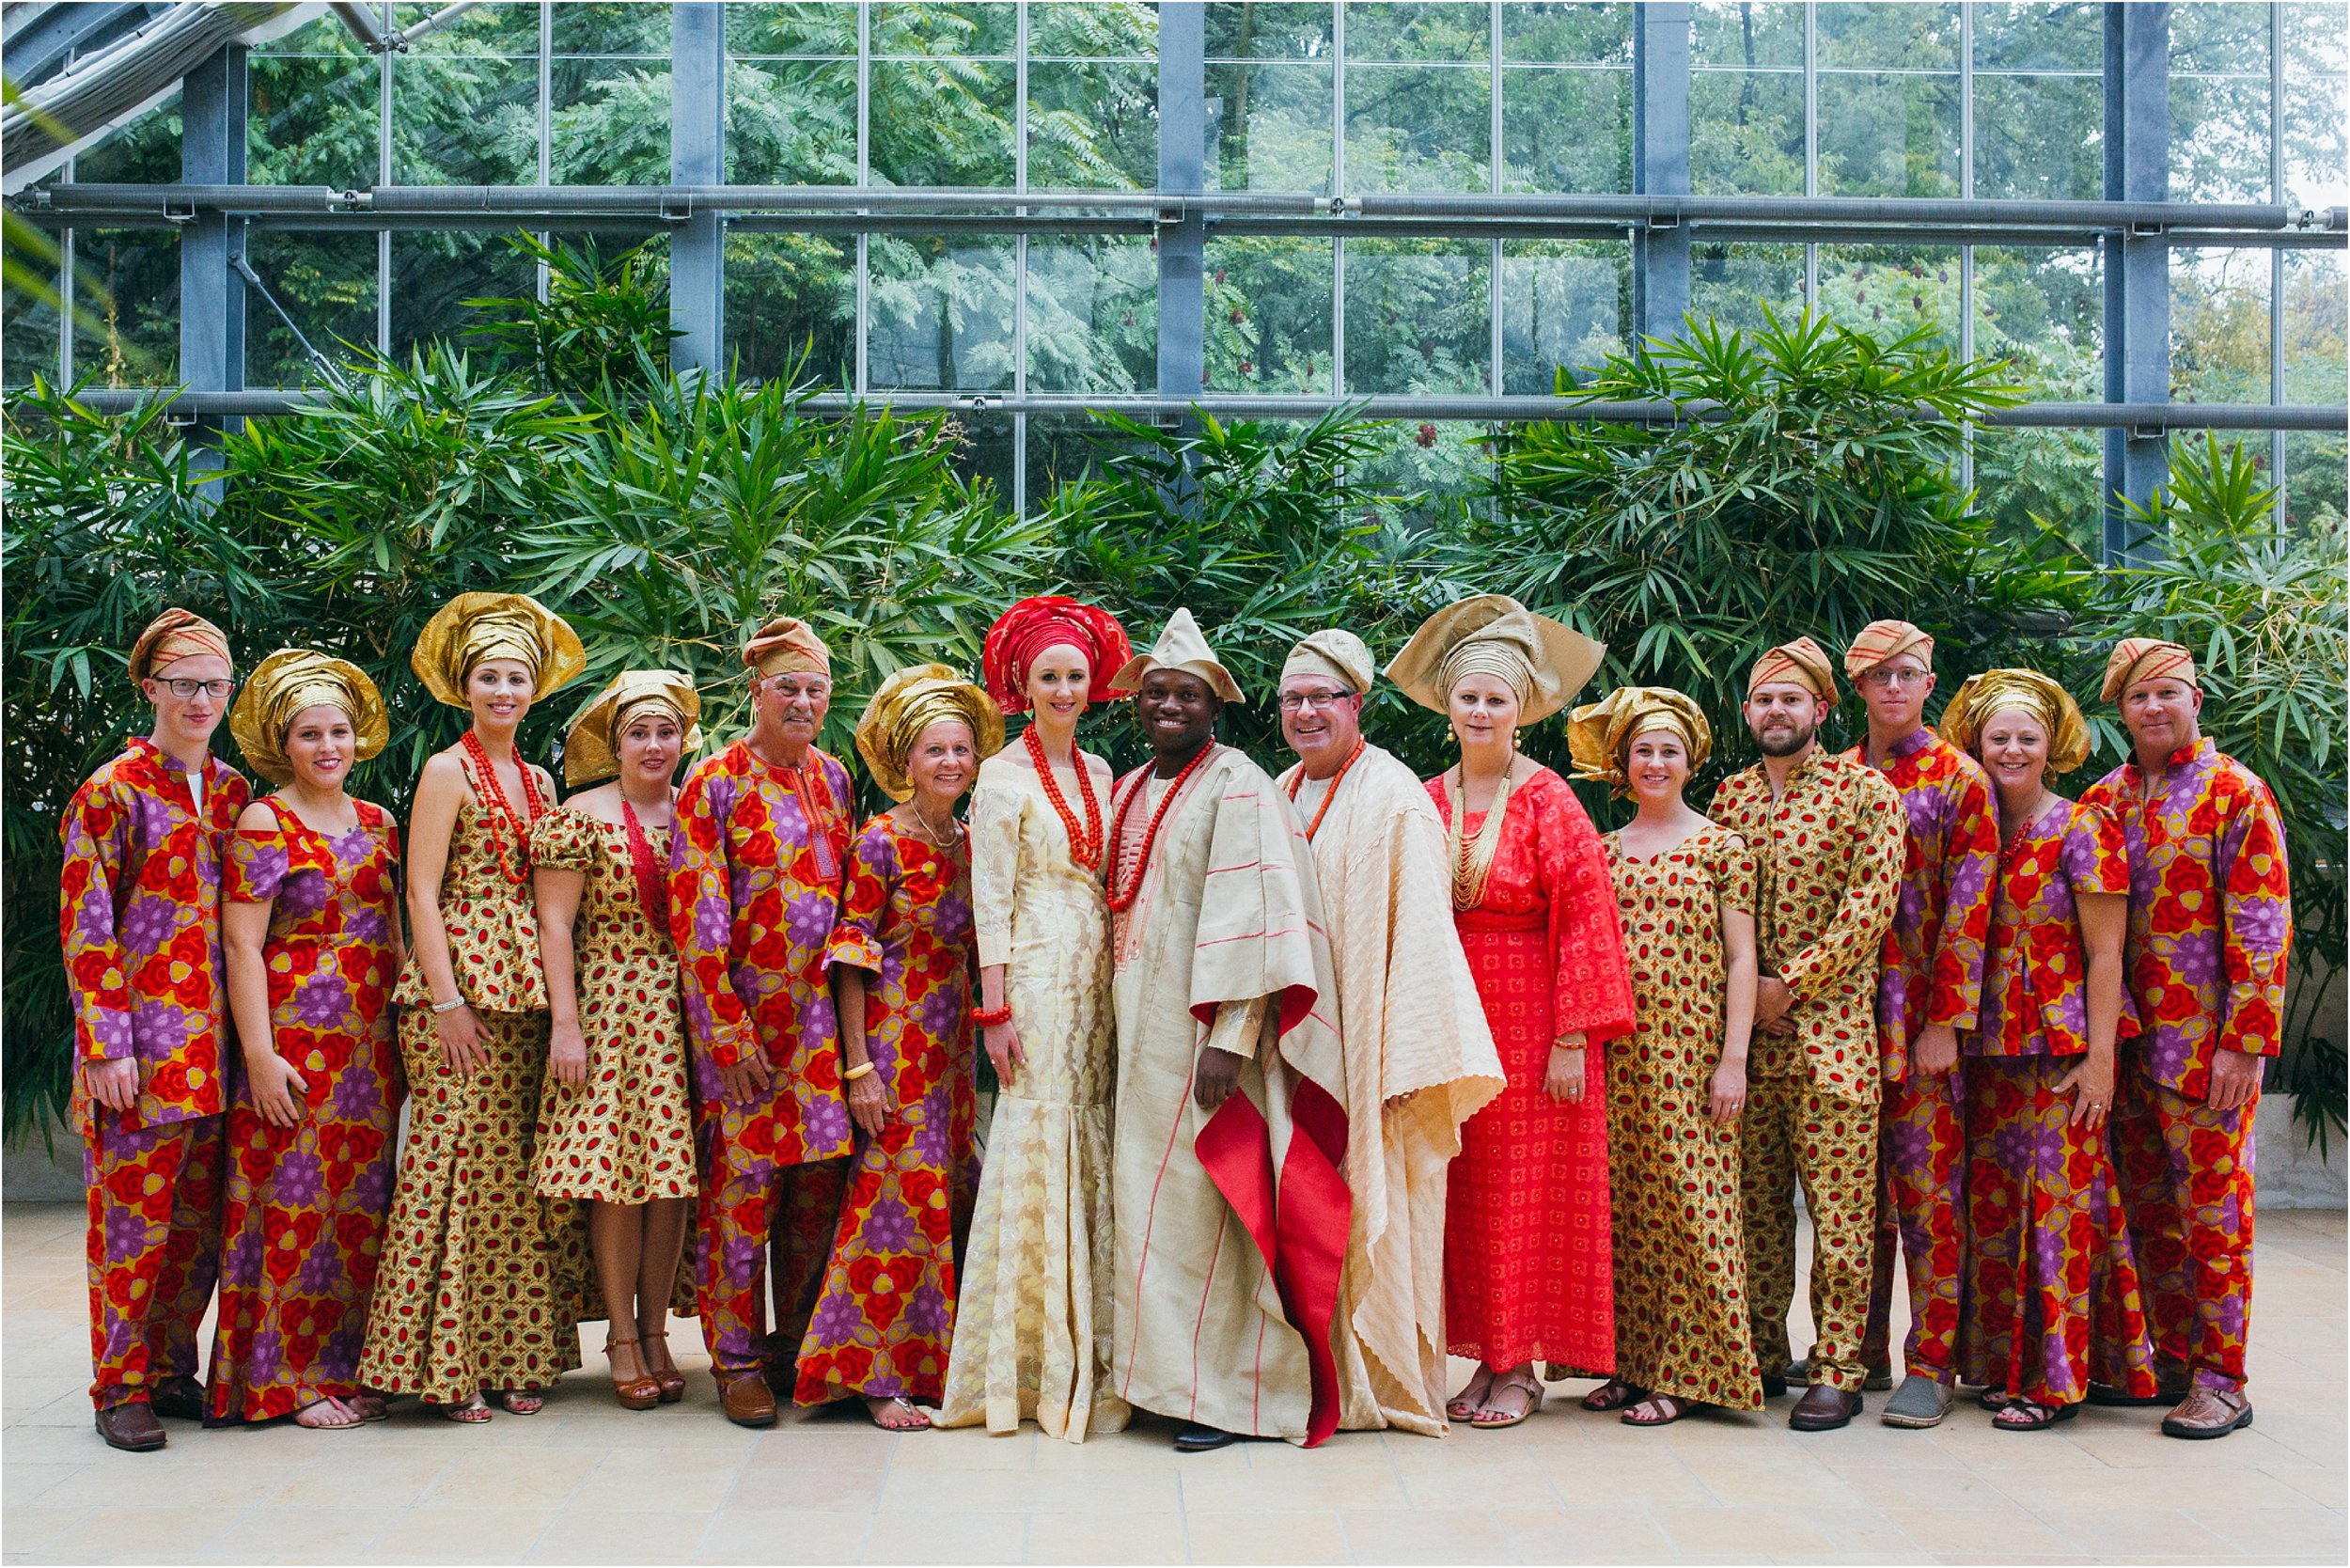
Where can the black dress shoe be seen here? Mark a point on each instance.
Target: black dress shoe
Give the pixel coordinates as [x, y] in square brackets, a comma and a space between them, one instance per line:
[1824, 1409]
[1774, 1386]
[131, 1428]
[1201, 1439]
[180, 1397]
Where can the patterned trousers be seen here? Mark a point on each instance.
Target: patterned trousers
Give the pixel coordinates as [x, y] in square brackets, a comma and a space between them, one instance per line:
[1794, 1132]
[1921, 1212]
[2187, 1187]
[154, 1251]
[754, 1206]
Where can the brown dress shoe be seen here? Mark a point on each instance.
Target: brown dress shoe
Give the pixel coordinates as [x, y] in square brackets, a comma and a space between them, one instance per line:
[131, 1428]
[746, 1400]
[1824, 1409]
[2208, 1413]
[180, 1397]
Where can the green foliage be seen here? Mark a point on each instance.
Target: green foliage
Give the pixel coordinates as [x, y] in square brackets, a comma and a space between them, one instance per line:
[2265, 614]
[604, 329]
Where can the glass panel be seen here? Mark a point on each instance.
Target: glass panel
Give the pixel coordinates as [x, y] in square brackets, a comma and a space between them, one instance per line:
[609, 91]
[2042, 312]
[1269, 126]
[1745, 132]
[941, 313]
[799, 32]
[1732, 283]
[946, 30]
[791, 122]
[29, 325]
[1888, 133]
[1538, 32]
[1417, 128]
[1750, 37]
[465, 100]
[2038, 37]
[942, 122]
[2315, 466]
[1419, 30]
[1564, 303]
[1089, 30]
[1426, 470]
[1268, 315]
[792, 307]
[2219, 326]
[311, 109]
[1265, 32]
[2314, 358]
[2040, 137]
[327, 282]
[433, 273]
[1887, 290]
[2220, 102]
[1537, 104]
[2055, 477]
[1416, 315]
[2317, 106]
[1889, 38]
[126, 332]
[1093, 123]
[144, 152]
[1060, 452]
[1092, 315]
[986, 450]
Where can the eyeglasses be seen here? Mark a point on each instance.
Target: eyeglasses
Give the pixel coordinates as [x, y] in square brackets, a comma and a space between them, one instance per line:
[1897, 678]
[184, 690]
[1298, 702]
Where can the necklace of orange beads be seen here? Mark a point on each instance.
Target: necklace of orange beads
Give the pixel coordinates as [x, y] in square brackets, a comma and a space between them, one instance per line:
[1084, 843]
[1327, 795]
[1121, 902]
[486, 776]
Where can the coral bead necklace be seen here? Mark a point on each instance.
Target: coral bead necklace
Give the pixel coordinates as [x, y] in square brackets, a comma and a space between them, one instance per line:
[1085, 844]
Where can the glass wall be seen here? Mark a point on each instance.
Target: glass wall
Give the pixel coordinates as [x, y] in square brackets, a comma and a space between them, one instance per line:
[1989, 99]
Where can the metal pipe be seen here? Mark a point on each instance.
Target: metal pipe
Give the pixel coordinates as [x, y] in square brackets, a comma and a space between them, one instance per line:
[362, 25]
[2139, 417]
[441, 17]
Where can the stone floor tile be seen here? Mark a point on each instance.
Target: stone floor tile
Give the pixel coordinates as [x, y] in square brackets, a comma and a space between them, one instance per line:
[1770, 1532]
[270, 1530]
[1584, 1535]
[462, 1535]
[947, 1537]
[2135, 1532]
[1994, 1530]
[1260, 1536]
[36, 1525]
[791, 1489]
[2152, 1490]
[380, 1476]
[596, 1535]
[1082, 1538]
[512, 1477]
[141, 1533]
[1601, 1477]
[1425, 1535]
[964, 1449]
[1304, 1490]
[2322, 1532]
[777, 1537]
[23, 1484]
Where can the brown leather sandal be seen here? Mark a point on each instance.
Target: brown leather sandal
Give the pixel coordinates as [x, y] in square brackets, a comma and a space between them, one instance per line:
[1670, 1408]
[1614, 1394]
[2207, 1413]
[637, 1393]
[671, 1380]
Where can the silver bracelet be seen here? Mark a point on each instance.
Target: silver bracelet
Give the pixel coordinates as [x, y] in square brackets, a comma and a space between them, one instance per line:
[448, 1007]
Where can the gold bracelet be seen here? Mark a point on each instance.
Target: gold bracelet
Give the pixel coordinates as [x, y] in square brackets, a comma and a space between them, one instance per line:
[854, 1073]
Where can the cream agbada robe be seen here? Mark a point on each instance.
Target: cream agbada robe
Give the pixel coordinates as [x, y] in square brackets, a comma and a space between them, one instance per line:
[1412, 1023]
[1218, 1255]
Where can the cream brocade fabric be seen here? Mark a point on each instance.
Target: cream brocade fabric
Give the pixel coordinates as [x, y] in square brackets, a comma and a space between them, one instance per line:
[1032, 1330]
[1415, 1032]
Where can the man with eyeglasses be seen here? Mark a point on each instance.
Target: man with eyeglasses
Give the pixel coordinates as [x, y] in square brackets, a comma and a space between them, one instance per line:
[756, 872]
[1928, 994]
[1419, 1057]
[139, 912]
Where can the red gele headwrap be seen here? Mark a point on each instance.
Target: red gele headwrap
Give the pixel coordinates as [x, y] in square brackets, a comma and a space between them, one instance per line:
[1049, 621]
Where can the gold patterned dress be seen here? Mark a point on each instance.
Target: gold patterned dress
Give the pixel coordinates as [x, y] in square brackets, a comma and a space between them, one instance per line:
[470, 1295]
[626, 1135]
[1032, 1330]
[1680, 1272]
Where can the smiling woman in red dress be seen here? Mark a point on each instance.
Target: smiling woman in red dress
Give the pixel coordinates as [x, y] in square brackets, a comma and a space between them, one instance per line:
[1526, 1268]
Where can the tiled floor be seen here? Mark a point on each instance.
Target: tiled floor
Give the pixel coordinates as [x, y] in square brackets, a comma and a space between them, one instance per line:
[585, 1482]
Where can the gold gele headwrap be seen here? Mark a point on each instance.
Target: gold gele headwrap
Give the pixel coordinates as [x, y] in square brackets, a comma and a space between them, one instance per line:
[1600, 734]
[910, 703]
[1336, 653]
[289, 681]
[592, 744]
[1996, 691]
[2135, 659]
[1543, 661]
[788, 646]
[1881, 642]
[1183, 647]
[1800, 663]
[174, 635]
[474, 628]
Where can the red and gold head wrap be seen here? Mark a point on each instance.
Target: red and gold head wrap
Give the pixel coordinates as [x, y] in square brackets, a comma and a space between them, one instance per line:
[1049, 621]
[2137, 659]
[1801, 663]
[788, 646]
[2027, 691]
[174, 635]
[1881, 642]
[1600, 734]
[908, 703]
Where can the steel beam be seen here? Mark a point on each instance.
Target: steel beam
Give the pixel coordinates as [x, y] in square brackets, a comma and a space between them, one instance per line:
[2138, 263]
[1183, 159]
[698, 129]
[1660, 164]
[211, 294]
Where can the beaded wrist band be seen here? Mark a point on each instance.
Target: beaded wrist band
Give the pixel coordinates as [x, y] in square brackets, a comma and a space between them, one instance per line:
[988, 1017]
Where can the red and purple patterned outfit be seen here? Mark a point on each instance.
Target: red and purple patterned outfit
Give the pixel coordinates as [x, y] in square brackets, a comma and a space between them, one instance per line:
[886, 1309]
[756, 869]
[1932, 973]
[2211, 927]
[303, 1227]
[2053, 1300]
[139, 912]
